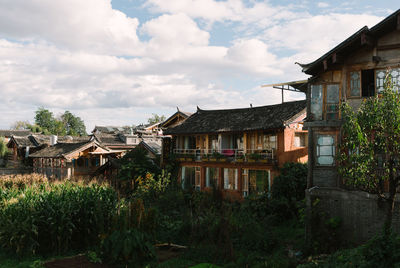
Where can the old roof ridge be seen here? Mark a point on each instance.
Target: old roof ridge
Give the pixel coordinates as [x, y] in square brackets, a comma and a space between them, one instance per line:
[252, 107]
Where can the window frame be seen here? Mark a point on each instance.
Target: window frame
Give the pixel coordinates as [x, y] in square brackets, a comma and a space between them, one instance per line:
[335, 149]
[324, 100]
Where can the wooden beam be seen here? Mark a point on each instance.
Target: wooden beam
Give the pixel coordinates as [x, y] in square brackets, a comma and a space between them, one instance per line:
[388, 47]
[398, 21]
[366, 39]
[336, 58]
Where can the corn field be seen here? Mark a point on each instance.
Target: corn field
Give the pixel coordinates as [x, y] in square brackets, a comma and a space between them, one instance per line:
[42, 217]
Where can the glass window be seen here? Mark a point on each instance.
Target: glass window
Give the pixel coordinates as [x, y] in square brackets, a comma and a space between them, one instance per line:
[316, 102]
[230, 178]
[269, 141]
[355, 84]
[332, 101]
[381, 76]
[300, 140]
[259, 181]
[188, 177]
[212, 177]
[325, 150]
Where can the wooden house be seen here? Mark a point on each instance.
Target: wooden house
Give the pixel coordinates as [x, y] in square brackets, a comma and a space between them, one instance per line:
[22, 146]
[7, 134]
[174, 120]
[238, 150]
[350, 72]
[64, 160]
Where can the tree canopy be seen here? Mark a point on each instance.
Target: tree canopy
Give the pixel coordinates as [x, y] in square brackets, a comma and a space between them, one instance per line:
[67, 124]
[3, 147]
[156, 119]
[369, 153]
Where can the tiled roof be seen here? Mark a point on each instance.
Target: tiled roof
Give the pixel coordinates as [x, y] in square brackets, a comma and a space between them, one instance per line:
[111, 129]
[58, 150]
[24, 141]
[354, 42]
[109, 139]
[236, 120]
[9, 133]
[45, 139]
[155, 148]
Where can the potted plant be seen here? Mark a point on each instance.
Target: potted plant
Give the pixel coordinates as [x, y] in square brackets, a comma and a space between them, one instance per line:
[253, 157]
[239, 158]
[204, 157]
[190, 157]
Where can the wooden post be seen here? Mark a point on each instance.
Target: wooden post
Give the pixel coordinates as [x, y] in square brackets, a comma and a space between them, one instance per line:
[240, 182]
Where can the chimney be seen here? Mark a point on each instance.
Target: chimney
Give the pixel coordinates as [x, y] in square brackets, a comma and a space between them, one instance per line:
[53, 140]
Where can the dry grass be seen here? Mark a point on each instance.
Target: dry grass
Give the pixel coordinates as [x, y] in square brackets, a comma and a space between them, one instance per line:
[35, 179]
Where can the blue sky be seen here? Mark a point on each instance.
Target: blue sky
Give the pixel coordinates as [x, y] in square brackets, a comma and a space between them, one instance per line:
[117, 62]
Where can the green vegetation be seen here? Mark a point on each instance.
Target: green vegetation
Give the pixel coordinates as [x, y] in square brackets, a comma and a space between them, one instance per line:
[54, 218]
[370, 145]
[46, 123]
[3, 149]
[155, 118]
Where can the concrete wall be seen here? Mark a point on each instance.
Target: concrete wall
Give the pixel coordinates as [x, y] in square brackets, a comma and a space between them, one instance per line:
[361, 214]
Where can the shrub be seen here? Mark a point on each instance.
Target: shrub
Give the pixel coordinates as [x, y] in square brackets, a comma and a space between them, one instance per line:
[128, 247]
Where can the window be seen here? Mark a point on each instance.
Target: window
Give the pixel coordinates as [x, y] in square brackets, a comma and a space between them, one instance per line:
[212, 177]
[245, 179]
[381, 75]
[367, 83]
[332, 102]
[197, 180]
[230, 178]
[300, 140]
[269, 141]
[325, 150]
[355, 84]
[259, 181]
[188, 177]
[316, 102]
[325, 100]
[361, 83]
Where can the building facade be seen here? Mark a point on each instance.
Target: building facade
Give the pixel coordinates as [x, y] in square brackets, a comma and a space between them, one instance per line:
[350, 72]
[238, 150]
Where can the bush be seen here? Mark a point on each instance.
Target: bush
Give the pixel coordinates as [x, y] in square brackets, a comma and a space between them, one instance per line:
[128, 247]
[288, 190]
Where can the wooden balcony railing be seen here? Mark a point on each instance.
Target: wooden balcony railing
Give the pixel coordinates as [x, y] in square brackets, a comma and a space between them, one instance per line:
[228, 154]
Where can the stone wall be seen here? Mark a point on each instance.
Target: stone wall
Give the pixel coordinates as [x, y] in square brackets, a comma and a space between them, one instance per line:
[362, 215]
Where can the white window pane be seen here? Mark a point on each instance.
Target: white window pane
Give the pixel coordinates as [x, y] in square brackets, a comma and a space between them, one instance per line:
[326, 150]
[325, 160]
[325, 140]
[332, 93]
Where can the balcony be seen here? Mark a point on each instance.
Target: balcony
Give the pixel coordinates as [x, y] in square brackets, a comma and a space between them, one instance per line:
[225, 155]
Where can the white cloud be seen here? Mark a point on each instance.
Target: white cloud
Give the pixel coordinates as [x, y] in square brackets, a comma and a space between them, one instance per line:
[315, 35]
[252, 55]
[323, 5]
[86, 57]
[73, 24]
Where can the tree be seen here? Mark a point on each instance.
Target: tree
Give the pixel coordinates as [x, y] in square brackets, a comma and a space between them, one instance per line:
[68, 124]
[3, 147]
[370, 148]
[156, 119]
[21, 125]
[73, 125]
[44, 118]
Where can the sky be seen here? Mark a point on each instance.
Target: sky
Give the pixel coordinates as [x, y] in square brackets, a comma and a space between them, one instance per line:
[118, 62]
